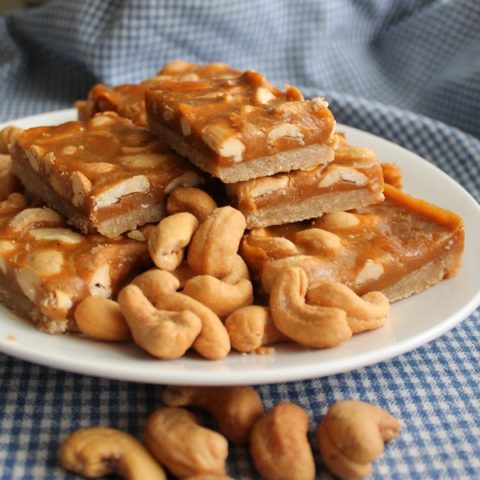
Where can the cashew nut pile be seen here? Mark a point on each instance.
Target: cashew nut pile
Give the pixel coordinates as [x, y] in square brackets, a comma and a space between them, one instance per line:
[349, 438]
[200, 296]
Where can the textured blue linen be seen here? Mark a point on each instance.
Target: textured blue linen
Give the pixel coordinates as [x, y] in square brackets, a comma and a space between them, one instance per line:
[376, 62]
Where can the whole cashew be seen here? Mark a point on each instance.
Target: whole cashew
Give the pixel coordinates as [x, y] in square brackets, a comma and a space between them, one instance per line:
[8, 135]
[192, 200]
[221, 297]
[367, 312]
[177, 441]
[161, 287]
[274, 247]
[98, 451]
[214, 246]
[315, 240]
[310, 325]
[352, 435]
[102, 319]
[169, 238]
[236, 409]
[164, 334]
[252, 327]
[279, 444]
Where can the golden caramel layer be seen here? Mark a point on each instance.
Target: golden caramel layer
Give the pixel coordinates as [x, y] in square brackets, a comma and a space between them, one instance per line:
[55, 267]
[104, 167]
[367, 249]
[239, 119]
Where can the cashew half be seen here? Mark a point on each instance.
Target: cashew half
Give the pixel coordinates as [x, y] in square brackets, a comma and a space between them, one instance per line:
[160, 288]
[102, 318]
[169, 238]
[279, 444]
[163, 334]
[352, 435]
[214, 246]
[192, 200]
[252, 327]
[177, 441]
[98, 451]
[221, 297]
[367, 312]
[310, 325]
[236, 409]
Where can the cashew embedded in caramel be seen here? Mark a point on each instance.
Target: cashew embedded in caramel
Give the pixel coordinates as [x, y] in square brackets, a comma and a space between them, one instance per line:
[8, 135]
[279, 444]
[367, 312]
[164, 334]
[236, 409]
[310, 325]
[251, 327]
[352, 435]
[97, 451]
[177, 441]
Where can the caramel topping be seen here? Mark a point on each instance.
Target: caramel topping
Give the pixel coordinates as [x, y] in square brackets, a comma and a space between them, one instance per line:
[240, 118]
[53, 265]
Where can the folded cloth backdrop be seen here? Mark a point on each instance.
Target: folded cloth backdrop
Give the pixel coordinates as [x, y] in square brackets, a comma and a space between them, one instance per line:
[386, 66]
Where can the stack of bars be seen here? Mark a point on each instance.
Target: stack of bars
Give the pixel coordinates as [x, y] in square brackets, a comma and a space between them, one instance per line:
[309, 199]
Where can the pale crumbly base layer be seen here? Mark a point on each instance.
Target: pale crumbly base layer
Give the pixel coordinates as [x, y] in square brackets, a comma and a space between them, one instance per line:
[286, 161]
[23, 307]
[111, 227]
[425, 277]
[310, 207]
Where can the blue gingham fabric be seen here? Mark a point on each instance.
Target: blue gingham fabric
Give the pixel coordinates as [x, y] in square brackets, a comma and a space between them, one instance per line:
[385, 66]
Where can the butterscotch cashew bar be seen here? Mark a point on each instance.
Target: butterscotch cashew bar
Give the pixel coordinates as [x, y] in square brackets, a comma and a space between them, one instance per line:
[354, 179]
[46, 268]
[105, 174]
[241, 128]
[399, 247]
[128, 100]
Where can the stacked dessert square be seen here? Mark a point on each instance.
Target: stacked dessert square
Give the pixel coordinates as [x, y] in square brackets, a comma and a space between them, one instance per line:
[318, 222]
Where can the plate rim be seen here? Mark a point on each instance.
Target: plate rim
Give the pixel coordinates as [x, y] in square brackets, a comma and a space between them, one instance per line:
[284, 373]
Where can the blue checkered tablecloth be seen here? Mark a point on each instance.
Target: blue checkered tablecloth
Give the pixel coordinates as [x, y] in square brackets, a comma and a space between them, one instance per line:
[386, 66]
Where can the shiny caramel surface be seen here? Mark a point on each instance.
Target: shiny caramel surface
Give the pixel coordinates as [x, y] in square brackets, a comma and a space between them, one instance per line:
[100, 163]
[128, 100]
[241, 118]
[367, 249]
[53, 265]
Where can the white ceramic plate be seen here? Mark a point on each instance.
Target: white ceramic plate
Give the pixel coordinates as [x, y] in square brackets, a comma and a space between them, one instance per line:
[413, 322]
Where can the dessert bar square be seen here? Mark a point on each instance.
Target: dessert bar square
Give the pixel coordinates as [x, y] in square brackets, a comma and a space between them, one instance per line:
[129, 100]
[354, 179]
[105, 174]
[47, 268]
[400, 247]
[241, 128]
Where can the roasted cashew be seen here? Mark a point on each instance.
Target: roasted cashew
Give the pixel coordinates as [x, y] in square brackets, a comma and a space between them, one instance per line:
[101, 318]
[310, 325]
[169, 238]
[192, 200]
[214, 246]
[177, 441]
[313, 267]
[252, 327]
[367, 312]
[221, 297]
[161, 287]
[352, 435]
[239, 271]
[163, 334]
[279, 444]
[98, 451]
[236, 409]
[317, 240]
[8, 135]
[274, 247]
